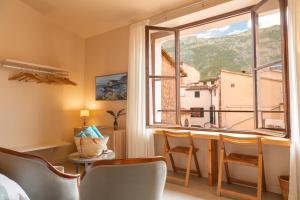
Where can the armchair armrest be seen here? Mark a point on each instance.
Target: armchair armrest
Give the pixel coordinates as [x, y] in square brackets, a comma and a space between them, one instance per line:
[38, 178]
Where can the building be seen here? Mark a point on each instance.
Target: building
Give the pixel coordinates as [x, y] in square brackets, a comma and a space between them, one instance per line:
[196, 99]
[270, 97]
[232, 94]
[165, 103]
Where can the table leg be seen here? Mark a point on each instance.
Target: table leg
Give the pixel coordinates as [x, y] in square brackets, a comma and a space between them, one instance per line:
[77, 166]
[86, 165]
[212, 162]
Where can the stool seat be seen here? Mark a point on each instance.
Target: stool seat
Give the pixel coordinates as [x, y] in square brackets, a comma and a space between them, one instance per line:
[242, 159]
[181, 149]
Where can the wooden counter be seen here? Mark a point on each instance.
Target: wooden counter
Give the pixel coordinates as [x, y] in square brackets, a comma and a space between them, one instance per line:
[270, 140]
[213, 138]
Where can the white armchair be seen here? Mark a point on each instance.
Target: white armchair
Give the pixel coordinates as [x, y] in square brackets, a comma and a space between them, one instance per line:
[132, 179]
[38, 178]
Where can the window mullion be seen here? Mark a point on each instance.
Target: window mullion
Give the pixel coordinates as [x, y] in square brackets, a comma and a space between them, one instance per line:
[147, 65]
[254, 19]
[154, 34]
[153, 80]
[284, 52]
[177, 74]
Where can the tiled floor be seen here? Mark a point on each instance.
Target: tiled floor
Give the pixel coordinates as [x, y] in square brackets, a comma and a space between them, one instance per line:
[198, 189]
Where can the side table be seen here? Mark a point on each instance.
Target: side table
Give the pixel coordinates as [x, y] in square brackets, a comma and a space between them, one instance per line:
[77, 160]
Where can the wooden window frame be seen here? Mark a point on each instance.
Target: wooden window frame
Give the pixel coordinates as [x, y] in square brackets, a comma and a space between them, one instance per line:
[254, 18]
[150, 43]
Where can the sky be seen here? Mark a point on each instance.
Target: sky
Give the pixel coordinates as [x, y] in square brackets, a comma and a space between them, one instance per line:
[239, 27]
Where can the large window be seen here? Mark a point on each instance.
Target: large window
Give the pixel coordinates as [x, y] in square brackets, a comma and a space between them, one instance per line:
[233, 67]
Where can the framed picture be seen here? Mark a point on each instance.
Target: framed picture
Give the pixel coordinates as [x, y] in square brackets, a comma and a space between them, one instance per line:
[111, 87]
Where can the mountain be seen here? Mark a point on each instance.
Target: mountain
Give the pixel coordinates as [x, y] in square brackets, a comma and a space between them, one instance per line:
[231, 52]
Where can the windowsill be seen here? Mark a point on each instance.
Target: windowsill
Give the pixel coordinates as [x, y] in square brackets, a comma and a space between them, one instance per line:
[215, 135]
[259, 132]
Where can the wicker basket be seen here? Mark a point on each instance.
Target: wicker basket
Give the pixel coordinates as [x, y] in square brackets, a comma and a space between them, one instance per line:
[90, 147]
[284, 185]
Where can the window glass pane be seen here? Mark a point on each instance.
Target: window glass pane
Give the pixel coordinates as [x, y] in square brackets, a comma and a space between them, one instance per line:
[270, 98]
[217, 59]
[197, 94]
[236, 95]
[197, 112]
[269, 34]
[243, 121]
[162, 53]
[222, 45]
[163, 101]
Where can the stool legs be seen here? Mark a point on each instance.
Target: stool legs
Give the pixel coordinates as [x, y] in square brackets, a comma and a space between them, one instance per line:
[171, 159]
[227, 172]
[264, 177]
[172, 162]
[189, 151]
[77, 166]
[220, 172]
[259, 176]
[188, 168]
[197, 164]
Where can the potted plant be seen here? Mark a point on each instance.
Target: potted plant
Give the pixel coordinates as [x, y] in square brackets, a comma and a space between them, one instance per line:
[116, 116]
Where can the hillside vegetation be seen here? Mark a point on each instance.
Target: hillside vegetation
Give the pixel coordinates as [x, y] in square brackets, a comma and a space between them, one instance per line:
[232, 52]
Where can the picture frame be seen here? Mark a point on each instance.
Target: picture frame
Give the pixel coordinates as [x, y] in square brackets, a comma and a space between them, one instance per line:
[112, 87]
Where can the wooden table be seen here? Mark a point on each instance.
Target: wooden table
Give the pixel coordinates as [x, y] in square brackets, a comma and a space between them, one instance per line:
[77, 160]
[213, 138]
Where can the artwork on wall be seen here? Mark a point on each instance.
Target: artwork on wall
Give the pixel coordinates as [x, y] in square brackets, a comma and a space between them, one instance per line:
[111, 87]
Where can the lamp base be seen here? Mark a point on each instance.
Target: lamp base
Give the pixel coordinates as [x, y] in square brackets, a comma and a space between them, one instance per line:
[84, 122]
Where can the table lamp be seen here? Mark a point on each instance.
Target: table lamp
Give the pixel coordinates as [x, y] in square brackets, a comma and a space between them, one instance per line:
[84, 114]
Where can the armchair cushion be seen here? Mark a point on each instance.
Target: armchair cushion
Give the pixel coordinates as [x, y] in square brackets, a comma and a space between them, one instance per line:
[10, 190]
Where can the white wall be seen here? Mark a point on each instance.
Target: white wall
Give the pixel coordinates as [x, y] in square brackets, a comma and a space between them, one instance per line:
[38, 113]
[105, 54]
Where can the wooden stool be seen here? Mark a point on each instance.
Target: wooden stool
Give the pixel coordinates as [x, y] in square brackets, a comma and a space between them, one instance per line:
[189, 151]
[241, 159]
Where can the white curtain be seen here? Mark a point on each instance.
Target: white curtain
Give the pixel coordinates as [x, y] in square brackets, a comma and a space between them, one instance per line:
[294, 67]
[139, 139]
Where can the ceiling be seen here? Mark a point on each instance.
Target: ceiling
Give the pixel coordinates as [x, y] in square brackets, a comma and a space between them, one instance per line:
[90, 17]
[218, 9]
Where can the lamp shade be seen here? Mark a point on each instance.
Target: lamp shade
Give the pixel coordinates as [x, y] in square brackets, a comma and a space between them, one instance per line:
[84, 113]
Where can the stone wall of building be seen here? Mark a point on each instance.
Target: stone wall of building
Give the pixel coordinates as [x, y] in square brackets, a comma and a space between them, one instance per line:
[168, 91]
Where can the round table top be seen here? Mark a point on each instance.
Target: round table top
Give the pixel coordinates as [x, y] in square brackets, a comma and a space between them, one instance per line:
[75, 158]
